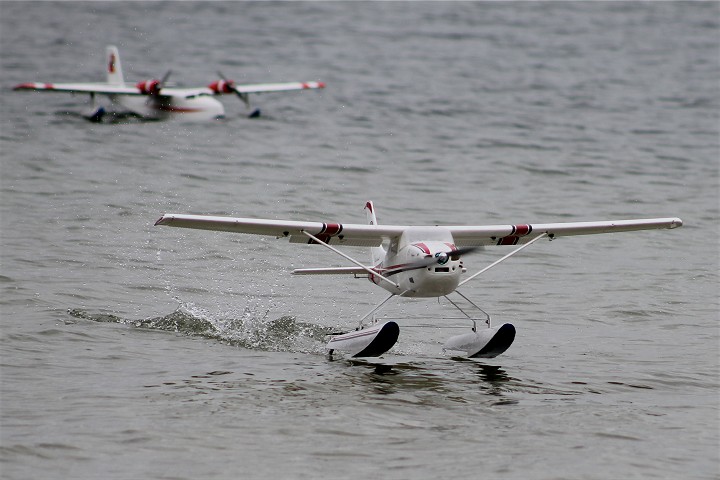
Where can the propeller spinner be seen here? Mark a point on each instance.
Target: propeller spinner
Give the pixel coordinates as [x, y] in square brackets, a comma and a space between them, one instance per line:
[441, 258]
[153, 87]
[228, 86]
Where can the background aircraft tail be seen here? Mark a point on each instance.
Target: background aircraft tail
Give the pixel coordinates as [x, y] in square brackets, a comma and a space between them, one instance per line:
[377, 253]
[114, 70]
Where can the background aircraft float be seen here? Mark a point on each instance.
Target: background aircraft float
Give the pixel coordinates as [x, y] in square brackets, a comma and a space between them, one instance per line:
[152, 99]
[414, 261]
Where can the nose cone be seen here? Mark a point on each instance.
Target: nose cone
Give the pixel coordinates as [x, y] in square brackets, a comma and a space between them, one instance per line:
[433, 281]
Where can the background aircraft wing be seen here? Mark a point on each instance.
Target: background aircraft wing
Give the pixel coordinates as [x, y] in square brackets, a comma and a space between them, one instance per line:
[110, 89]
[278, 87]
[522, 233]
[102, 88]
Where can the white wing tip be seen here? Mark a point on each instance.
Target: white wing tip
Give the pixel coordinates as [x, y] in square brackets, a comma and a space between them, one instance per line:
[164, 220]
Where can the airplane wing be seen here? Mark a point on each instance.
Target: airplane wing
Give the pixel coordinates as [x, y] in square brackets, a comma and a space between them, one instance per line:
[278, 87]
[374, 235]
[523, 233]
[336, 233]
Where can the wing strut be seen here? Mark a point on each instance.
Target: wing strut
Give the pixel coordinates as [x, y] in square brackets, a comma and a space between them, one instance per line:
[364, 267]
[542, 235]
[378, 307]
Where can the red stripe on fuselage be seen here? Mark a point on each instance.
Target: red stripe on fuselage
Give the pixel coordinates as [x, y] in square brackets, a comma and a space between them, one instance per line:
[392, 270]
[422, 247]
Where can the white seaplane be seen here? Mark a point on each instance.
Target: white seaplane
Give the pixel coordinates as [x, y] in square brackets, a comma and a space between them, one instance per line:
[152, 99]
[413, 261]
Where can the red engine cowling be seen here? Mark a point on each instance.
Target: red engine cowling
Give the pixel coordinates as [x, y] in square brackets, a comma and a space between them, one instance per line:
[149, 87]
[222, 86]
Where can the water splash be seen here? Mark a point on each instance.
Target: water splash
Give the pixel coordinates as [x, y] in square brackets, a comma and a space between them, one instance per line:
[248, 330]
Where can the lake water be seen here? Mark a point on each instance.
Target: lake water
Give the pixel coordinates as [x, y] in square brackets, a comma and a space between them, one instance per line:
[133, 351]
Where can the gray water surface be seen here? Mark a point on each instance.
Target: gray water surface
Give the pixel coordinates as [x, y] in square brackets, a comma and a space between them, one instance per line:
[133, 351]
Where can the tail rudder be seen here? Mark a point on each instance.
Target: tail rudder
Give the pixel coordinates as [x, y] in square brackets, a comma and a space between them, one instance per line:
[377, 253]
[370, 211]
[113, 67]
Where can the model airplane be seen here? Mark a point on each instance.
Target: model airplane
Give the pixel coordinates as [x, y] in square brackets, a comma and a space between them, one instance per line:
[151, 99]
[413, 261]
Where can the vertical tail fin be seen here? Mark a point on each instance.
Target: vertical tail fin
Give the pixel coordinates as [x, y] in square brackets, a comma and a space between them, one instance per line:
[370, 211]
[377, 253]
[113, 67]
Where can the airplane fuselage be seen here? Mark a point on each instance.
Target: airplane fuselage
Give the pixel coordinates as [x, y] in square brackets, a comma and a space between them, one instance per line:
[421, 267]
[199, 107]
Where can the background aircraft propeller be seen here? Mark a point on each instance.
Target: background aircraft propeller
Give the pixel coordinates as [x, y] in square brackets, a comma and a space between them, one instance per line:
[230, 85]
[153, 87]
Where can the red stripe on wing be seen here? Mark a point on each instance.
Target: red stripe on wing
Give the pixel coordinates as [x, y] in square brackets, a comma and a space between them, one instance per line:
[518, 231]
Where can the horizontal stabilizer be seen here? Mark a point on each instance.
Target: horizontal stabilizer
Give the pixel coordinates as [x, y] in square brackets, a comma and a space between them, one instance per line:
[330, 271]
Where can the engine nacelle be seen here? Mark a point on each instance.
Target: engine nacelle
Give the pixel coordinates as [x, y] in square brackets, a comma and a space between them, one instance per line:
[149, 87]
[222, 86]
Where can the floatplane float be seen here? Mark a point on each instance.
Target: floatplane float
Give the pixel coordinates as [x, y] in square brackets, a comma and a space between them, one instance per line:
[153, 99]
[414, 261]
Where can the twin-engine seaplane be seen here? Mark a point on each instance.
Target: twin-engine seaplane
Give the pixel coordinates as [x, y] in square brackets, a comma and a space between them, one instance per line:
[414, 261]
[152, 99]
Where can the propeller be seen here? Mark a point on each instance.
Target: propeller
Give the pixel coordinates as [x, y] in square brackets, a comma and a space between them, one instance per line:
[440, 258]
[230, 85]
[152, 87]
[165, 77]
